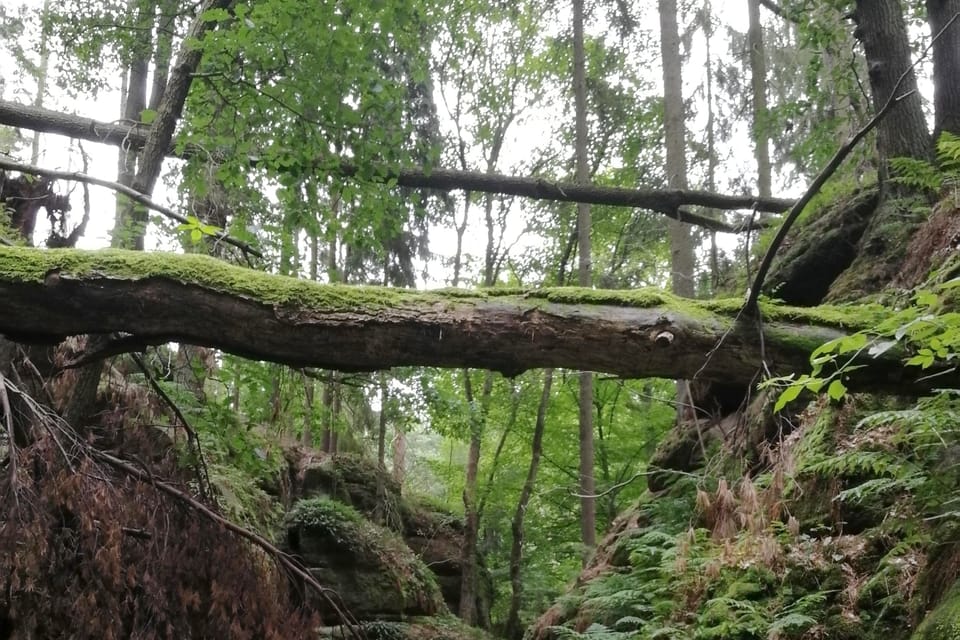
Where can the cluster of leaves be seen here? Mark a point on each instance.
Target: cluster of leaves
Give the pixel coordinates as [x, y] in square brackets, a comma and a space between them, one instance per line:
[927, 330]
[687, 585]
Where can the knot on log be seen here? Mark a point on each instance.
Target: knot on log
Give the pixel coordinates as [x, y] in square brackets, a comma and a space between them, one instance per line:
[664, 339]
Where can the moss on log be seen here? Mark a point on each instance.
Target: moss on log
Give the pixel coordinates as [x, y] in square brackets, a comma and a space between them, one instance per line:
[151, 298]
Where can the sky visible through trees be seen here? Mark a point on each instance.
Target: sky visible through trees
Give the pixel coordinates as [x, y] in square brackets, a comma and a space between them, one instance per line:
[535, 124]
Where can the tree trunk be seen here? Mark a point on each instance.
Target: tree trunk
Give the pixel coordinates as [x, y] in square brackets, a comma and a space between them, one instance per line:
[43, 70]
[588, 508]
[382, 425]
[514, 628]
[946, 66]
[133, 101]
[326, 439]
[306, 436]
[758, 83]
[156, 298]
[882, 30]
[468, 556]
[682, 259]
[399, 454]
[166, 23]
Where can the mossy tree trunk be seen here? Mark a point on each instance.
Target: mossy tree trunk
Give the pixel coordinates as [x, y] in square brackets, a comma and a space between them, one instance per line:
[157, 298]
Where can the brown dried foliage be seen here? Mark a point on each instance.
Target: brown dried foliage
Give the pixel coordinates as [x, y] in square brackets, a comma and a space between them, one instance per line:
[88, 553]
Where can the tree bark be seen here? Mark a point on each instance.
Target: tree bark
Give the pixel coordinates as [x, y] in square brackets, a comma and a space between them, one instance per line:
[514, 628]
[588, 509]
[682, 259]
[156, 298]
[946, 66]
[669, 202]
[882, 30]
[471, 526]
[758, 84]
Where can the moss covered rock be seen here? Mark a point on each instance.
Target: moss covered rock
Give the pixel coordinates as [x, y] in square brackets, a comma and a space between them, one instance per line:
[353, 480]
[943, 623]
[435, 628]
[370, 569]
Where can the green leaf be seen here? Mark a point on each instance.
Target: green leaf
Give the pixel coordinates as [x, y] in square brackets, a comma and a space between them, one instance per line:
[216, 15]
[789, 395]
[196, 236]
[852, 343]
[836, 390]
[147, 116]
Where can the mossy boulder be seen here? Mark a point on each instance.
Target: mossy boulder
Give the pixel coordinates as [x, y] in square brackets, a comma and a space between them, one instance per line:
[433, 536]
[824, 249]
[373, 573]
[437, 538]
[943, 623]
[353, 480]
[435, 628]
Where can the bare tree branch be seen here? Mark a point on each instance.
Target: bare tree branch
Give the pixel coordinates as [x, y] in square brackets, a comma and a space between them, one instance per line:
[666, 202]
[133, 194]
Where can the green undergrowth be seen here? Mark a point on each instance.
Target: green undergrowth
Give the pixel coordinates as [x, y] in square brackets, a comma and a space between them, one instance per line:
[850, 532]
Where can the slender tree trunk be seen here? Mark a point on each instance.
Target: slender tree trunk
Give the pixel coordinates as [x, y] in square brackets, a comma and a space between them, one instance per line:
[682, 256]
[882, 30]
[326, 439]
[946, 66]
[758, 74]
[468, 558]
[133, 102]
[335, 418]
[588, 504]
[306, 436]
[712, 160]
[399, 454]
[495, 463]
[514, 628]
[674, 132]
[382, 424]
[309, 385]
[43, 70]
[166, 22]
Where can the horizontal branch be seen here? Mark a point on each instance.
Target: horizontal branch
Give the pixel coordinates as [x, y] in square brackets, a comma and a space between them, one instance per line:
[155, 298]
[667, 202]
[133, 194]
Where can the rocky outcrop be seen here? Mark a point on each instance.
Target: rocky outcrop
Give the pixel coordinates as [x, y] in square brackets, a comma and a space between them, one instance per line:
[370, 571]
[433, 538]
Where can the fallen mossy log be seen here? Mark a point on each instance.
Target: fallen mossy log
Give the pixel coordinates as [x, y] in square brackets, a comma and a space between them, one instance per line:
[153, 298]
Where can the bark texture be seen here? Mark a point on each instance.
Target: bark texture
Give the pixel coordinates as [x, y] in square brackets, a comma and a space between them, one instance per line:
[155, 298]
[588, 504]
[674, 133]
[758, 84]
[514, 627]
[882, 30]
[946, 66]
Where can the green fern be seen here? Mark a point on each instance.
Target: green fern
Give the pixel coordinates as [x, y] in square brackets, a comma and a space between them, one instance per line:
[925, 175]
